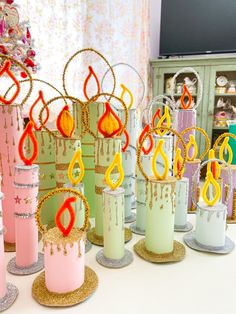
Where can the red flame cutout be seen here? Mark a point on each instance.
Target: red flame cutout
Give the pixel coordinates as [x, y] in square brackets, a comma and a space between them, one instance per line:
[213, 169]
[28, 132]
[109, 124]
[156, 115]
[66, 205]
[40, 98]
[183, 104]
[126, 141]
[145, 130]
[6, 69]
[91, 73]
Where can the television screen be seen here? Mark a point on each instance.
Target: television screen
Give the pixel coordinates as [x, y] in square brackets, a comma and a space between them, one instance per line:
[197, 26]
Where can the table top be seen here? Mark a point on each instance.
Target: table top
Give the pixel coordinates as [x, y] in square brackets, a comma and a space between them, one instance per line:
[201, 284]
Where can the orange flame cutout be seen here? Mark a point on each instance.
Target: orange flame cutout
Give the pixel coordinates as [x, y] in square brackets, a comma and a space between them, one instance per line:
[91, 74]
[109, 124]
[151, 142]
[28, 132]
[126, 141]
[40, 98]
[6, 69]
[157, 114]
[66, 206]
[178, 161]
[65, 122]
[183, 104]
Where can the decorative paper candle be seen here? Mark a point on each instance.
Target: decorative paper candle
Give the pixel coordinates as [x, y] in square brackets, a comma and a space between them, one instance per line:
[64, 246]
[3, 284]
[76, 184]
[47, 177]
[26, 192]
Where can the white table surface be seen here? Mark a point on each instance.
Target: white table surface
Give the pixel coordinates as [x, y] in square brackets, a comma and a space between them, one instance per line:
[200, 284]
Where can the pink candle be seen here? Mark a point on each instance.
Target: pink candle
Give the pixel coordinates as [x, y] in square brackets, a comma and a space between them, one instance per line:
[64, 260]
[11, 127]
[225, 180]
[2, 256]
[190, 169]
[25, 200]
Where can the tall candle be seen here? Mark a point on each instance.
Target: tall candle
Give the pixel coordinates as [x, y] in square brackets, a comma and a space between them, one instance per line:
[182, 194]
[25, 199]
[11, 127]
[105, 150]
[3, 287]
[159, 236]
[190, 169]
[113, 222]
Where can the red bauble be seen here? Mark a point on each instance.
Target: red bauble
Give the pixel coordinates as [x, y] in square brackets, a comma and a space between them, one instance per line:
[23, 75]
[9, 1]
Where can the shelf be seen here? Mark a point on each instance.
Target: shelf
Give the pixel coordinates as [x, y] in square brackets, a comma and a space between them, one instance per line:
[179, 95]
[220, 128]
[225, 94]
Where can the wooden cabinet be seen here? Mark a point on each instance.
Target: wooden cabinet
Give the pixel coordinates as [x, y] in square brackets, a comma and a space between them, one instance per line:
[218, 102]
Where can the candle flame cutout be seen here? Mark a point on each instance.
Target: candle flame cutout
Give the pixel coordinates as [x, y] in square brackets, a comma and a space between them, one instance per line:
[32, 108]
[210, 180]
[124, 91]
[159, 150]
[28, 132]
[65, 123]
[6, 70]
[191, 143]
[88, 78]
[115, 163]
[214, 166]
[109, 124]
[182, 98]
[77, 158]
[225, 146]
[157, 114]
[161, 122]
[66, 206]
[151, 142]
[178, 161]
[126, 141]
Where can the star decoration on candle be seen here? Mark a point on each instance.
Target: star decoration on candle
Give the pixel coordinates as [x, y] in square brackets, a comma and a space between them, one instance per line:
[52, 176]
[77, 173]
[17, 199]
[28, 200]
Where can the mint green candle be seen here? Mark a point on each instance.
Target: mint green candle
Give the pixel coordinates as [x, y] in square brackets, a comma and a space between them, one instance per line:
[232, 143]
[159, 235]
[113, 222]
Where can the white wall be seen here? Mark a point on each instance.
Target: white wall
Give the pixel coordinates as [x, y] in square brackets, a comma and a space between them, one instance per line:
[155, 19]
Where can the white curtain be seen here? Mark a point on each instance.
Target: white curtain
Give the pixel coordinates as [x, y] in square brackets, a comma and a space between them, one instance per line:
[116, 28]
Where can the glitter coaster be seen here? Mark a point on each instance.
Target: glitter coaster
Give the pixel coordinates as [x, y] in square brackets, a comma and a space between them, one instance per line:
[98, 240]
[136, 230]
[9, 298]
[189, 239]
[9, 247]
[114, 263]
[130, 218]
[231, 221]
[88, 246]
[186, 228]
[191, 211]
[43, 296]
[177, 255]
[13, 269]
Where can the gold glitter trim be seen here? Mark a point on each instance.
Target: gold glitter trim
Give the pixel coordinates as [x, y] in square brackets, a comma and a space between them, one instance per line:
[98, 240]
[41, 294]
[62, 166]
[177, 255]
[9, 247]
[54, 236]
[231, 221]
[99, 190]
[103, 169]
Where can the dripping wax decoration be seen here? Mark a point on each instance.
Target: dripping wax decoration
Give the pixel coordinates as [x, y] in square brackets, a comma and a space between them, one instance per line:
[211, 212]
[113, 217]
[182, 191]
[26, 184]
[75, 182]
[64, 246]
[226, 154]
[160, 200]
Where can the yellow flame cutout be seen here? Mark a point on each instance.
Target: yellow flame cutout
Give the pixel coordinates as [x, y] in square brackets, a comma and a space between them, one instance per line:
[76, 158]
[159, 150]
[225, 145]
[210, 180]
[191, 143]
[126, 90]
[166, 116]
[115, 163]
[178, 161]
[215, 165]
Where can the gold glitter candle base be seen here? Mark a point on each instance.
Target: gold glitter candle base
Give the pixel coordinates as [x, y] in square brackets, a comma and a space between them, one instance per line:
[98, 240]
[177, 255]
[44, 297]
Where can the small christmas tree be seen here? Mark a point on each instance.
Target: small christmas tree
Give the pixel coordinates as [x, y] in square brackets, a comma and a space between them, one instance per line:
[15, 37]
